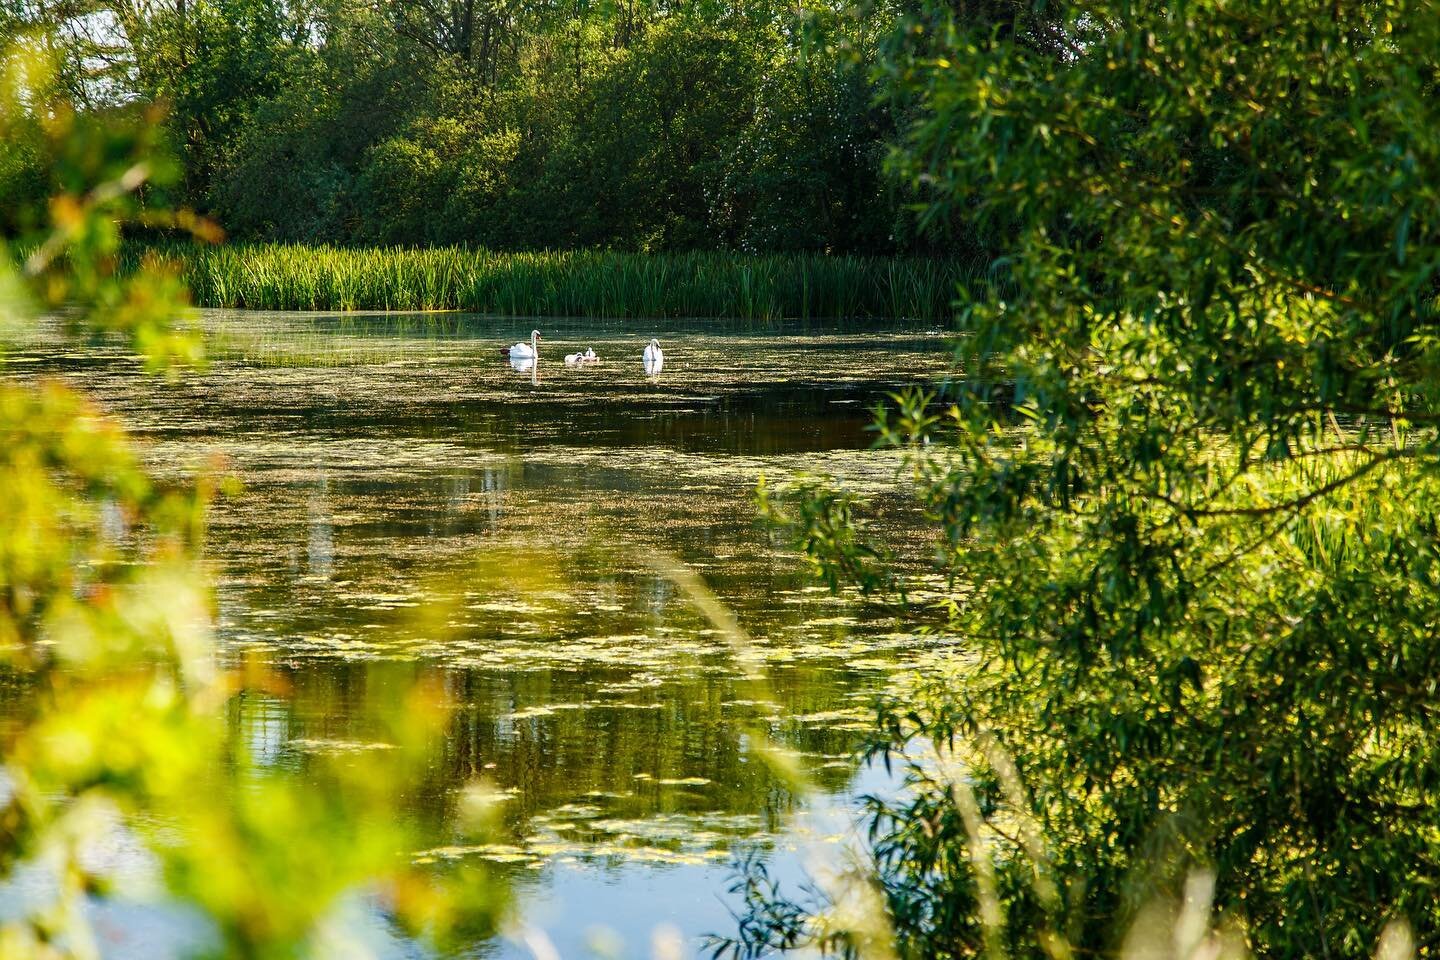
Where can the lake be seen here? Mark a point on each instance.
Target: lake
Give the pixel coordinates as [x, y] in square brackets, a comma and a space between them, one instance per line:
[410, 502]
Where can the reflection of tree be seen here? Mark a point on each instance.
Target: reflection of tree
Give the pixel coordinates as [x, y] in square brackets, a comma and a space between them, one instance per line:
[494, 484]
[262, 724]
[618, 751]
[320, 555]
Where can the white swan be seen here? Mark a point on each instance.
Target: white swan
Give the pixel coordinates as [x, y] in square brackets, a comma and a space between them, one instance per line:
[571, 359]
[590, 355]
[523, 350]
[654, 357]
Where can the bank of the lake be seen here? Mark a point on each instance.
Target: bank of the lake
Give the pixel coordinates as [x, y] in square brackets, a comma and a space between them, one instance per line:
[574, 283]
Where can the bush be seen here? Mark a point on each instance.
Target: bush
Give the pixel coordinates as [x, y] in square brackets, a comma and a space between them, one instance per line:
[1186, 491]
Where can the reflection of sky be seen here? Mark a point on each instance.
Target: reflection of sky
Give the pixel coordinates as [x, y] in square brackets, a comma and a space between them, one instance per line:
[264, 725]
[575, 905]
[570, 905]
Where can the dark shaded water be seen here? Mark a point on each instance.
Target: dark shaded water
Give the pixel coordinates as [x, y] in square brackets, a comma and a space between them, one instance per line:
[395, 466]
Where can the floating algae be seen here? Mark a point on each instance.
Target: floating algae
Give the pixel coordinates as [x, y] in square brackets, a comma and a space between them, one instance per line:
[545, 710]
[582, 835]
[311, 745]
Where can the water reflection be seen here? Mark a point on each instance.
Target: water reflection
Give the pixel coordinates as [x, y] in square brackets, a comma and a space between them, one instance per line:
[320, 555]
[654, 358]
[412, 507]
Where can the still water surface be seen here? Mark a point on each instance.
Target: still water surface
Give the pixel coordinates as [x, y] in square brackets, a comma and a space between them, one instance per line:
[395, 465]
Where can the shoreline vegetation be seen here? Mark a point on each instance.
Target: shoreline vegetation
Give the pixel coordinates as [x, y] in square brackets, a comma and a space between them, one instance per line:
[576, 283]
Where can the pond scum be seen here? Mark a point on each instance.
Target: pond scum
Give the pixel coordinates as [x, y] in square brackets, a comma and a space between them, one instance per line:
[585, 283]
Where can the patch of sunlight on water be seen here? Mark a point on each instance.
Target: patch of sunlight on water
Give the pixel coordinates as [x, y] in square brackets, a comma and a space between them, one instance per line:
[411, 504]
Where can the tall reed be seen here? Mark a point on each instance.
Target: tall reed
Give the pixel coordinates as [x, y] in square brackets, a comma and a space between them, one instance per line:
[588, 283]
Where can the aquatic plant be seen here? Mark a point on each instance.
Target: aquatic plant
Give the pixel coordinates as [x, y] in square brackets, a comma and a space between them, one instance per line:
[581, 283]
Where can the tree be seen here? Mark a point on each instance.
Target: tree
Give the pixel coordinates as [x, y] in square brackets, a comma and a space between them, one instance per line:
[805, 171]
[210, 62]
[510, 123]
[1185, 486]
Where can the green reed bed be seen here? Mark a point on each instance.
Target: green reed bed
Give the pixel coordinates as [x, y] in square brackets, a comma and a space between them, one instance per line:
[567, 283]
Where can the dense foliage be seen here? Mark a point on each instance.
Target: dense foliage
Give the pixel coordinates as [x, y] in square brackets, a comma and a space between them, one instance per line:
[637, 125]
[1185, 490]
